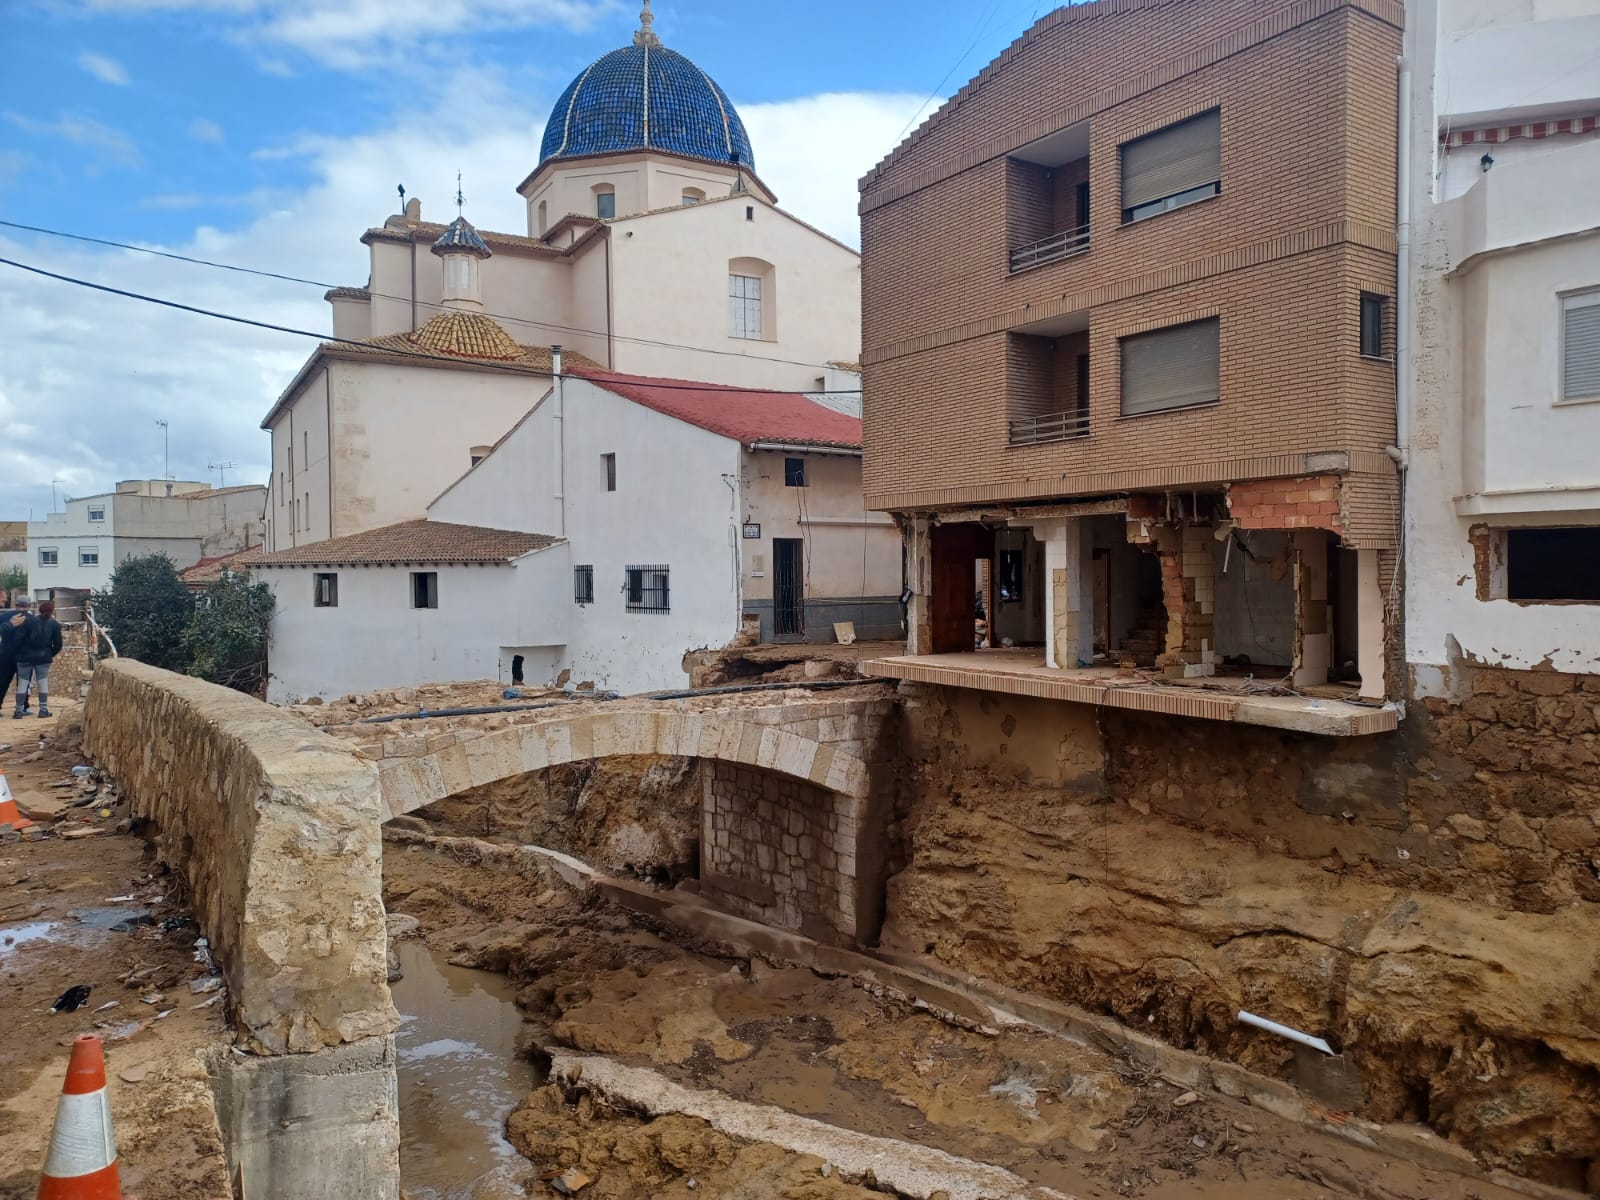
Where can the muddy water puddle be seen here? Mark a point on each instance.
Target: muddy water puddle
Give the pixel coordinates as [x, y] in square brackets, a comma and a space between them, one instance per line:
[460, 1077]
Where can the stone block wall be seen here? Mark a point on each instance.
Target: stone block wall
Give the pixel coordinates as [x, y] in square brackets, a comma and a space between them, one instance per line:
[274, 829]
[779, 851]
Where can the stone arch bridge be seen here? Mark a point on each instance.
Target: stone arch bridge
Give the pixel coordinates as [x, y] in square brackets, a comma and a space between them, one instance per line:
[790, 818]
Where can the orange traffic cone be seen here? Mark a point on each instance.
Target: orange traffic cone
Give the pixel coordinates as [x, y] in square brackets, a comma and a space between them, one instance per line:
[8, 807]
[82, 1163]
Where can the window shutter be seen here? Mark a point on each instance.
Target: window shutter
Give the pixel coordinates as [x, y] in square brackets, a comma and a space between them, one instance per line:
[1171, 368]
[1172, 160]
[1580, 366]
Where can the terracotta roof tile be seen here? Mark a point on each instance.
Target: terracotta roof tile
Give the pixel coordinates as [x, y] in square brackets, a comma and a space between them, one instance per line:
[746, 416]
[418, 541]
[463, 335]
[347, 293]
[209, 570]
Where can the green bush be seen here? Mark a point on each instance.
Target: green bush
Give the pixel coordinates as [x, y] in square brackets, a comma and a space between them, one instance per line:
[146, 610]
[226, 641]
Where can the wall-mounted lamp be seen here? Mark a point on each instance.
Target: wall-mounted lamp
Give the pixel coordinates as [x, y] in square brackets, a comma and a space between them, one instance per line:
[1486, 162]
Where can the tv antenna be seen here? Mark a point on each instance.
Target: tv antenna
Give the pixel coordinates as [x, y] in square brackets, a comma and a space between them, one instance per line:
[222, 470]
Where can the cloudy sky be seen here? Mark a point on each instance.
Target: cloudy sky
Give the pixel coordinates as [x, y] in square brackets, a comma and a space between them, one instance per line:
[271, 133]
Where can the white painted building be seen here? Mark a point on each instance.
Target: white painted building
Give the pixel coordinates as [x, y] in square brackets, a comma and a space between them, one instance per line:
[652, 248]
[80, 546]
[663, 512]
[1500, 423]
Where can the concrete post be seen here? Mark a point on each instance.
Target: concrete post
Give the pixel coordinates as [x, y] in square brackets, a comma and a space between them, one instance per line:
[1313, 640]
[1370, 626]
[1069, 591]
[919, 610]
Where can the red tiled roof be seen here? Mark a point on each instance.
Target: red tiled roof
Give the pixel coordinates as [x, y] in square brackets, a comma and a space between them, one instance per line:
[418, 541]
[209, 570]
[746, 416]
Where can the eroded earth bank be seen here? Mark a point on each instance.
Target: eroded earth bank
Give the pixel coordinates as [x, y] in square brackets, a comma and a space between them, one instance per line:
[663, 1053]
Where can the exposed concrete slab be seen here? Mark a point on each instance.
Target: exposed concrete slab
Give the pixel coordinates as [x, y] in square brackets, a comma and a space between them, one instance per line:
[911, 1170]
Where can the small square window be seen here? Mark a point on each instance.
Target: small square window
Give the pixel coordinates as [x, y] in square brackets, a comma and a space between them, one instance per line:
[608, 471]
[605, 205]
[88, 556]
[97, 512]
[583, 584]
[49, 556]
[325, 591]
[794, 472]
[1372, 322]
[648, 589]
[424, 589]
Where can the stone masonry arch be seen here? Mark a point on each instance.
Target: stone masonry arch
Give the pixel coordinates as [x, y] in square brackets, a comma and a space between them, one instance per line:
[472, 757]
[787, 805]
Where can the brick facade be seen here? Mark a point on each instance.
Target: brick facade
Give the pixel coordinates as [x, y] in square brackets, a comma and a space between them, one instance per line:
[1304, 223]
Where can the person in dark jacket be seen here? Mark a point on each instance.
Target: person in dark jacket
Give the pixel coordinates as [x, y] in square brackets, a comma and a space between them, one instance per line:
[16, 628]
[35, 652]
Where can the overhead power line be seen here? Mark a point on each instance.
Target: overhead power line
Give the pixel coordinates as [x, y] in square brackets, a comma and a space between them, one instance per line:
[234, 267]
[486, 364]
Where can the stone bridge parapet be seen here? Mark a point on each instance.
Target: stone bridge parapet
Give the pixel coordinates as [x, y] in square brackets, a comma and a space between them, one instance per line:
[276, 829]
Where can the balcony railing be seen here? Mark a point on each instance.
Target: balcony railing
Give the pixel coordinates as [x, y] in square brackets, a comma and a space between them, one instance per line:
[1051, 249]
[1050, 427]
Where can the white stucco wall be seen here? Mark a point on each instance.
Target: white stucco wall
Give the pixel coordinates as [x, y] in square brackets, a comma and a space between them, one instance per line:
[673, 506]
[401, 435]
[670, 273]
[1487, 442]
[849, 552]
[375, 639]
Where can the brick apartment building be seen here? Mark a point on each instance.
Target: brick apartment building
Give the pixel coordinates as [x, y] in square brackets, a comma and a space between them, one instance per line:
[1146, 382]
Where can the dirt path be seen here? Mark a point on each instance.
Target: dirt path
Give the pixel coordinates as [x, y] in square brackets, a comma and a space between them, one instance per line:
[60, 901]
[1058, 1115]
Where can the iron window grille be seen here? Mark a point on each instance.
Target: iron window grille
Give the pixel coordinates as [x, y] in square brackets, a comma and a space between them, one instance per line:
[583, 585]
[648, 589]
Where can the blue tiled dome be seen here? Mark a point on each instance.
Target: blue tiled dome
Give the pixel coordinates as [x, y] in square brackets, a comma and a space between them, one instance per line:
[646, 97]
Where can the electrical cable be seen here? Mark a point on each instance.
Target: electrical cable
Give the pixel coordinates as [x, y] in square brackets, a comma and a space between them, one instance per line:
[423, 355]
[574, 329]
[983, 28]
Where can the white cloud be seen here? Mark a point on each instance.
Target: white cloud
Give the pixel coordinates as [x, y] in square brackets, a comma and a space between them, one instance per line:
[106, 70]
[109, 144]
[202, 130]
[358, 33]
[813, 151]
[90, 372]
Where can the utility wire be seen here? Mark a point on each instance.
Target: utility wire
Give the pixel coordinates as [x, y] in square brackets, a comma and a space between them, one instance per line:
[455, 361]
[983, 28]
[222, 266]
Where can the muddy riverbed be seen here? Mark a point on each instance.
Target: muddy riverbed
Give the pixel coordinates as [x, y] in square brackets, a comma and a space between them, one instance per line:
[590, 979]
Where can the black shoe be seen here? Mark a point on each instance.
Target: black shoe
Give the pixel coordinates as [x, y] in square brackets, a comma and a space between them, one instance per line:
[44, 712]
[18, 715]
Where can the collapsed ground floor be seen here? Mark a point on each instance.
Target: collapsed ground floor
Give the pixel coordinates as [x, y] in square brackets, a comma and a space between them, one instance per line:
[1250, 589]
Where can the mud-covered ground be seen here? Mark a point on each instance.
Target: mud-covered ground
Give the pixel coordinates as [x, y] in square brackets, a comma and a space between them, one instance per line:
[592, 978]
[59, 902]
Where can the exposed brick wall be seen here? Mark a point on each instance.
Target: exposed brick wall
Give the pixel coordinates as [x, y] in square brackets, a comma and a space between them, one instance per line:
[1304, 224]
[1306, 503]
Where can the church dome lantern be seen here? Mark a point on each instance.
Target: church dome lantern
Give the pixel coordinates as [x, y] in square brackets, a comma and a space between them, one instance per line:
[646, 97]
[461, 249]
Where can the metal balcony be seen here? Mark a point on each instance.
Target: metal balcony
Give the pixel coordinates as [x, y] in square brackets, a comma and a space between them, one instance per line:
[1051, 249]
[1049, 427]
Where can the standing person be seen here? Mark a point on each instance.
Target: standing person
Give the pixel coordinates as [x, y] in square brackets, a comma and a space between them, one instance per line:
[17, 631]
[34, 656]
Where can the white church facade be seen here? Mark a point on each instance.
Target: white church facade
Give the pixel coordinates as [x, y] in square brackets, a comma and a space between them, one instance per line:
[435, 464]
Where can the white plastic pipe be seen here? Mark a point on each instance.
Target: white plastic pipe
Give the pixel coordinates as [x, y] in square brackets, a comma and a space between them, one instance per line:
[1283, 1031]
